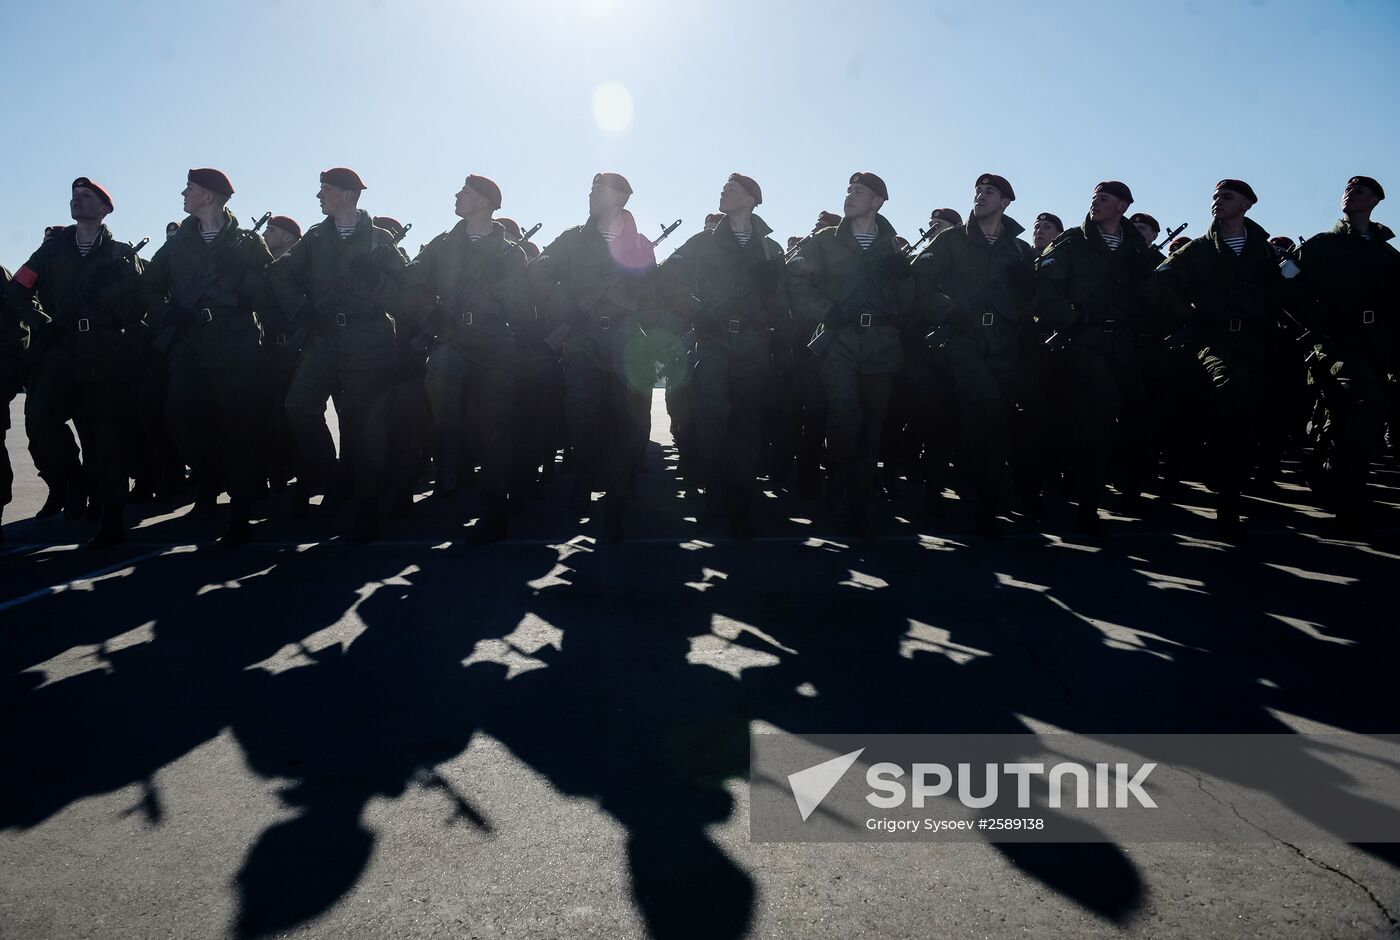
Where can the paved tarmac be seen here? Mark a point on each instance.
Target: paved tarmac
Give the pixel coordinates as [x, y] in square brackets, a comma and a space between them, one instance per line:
[549, 737]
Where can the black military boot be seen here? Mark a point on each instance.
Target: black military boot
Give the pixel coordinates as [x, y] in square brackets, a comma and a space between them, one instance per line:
[53, 503]
[110, 530]
[300, 506]
[612, 518]
[206, 504]
[240, 529]
[366, 527]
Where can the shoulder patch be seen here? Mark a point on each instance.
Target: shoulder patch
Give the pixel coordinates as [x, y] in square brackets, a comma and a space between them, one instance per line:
[26, 277]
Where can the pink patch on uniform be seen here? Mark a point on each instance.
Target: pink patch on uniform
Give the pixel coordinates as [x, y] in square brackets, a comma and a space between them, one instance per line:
[26, 277]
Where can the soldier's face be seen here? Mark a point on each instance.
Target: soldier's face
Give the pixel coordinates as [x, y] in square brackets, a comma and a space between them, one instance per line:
[734, 198]
[1148, 233]
[1105, 207]
[936, 226]
[469, 201]
[603, 198]
[196, 197]
[1356, 198]
[86, 206]
[334, 200]
[1043, 232]
[861, 200]
[1227, 205]
[988, 200]
[278, 240]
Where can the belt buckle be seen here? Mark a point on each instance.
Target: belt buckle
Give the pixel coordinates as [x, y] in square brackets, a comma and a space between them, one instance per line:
[467, 318]
[280, 339]
[1236, 324]
[84, 325]
[340, 319]
[988, 318]
[1368, 317]
[207, 314]
[733, 326]
[605, 323]
[1108, 325]
[866, 319]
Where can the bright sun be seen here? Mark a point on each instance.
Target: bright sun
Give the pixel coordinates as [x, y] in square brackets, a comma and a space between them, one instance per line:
[612, 107]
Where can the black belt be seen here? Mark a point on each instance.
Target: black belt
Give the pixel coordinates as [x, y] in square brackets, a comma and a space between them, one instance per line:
[471, 318]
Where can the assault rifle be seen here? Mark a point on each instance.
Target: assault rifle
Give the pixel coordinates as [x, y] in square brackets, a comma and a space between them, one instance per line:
[1171, 234]
[556, 337]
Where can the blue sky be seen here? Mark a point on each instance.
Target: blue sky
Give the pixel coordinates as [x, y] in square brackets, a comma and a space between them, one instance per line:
[1168, 96]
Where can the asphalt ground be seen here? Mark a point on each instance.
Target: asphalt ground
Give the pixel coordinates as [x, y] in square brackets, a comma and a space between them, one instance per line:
[549, 737]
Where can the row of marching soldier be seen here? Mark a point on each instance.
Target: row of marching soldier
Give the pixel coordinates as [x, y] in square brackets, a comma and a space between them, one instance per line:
[1018, 376]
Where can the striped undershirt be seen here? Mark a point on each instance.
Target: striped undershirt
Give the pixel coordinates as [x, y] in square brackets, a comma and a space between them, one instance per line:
[345, 230]
[742, 237]
[1112, 241]
[607, 236]
[865, 239]
[209, 236]
[1236, 243]
[991, 239]
[475, 238]
[85, 247]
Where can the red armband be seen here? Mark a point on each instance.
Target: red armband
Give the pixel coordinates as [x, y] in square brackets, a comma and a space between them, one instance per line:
[26, 277]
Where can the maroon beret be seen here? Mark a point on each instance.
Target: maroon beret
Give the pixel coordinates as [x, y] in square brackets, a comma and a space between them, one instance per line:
[1145, 219]
[532, 251]
[1282, 241]
[1115, 188]
[389, 224]
[487, 188]
[343, 178]
[871, 182]
[1238, 186]
[991, 179]
[613, 181]
[213, 180]
[51, 230]
[1053, 219]
[512, 228]
[827, 219]
[749, 185]
[793, 240]
[713, 218]
[286, 223]
[171, 225]
[1369, 183]
[950, 216]
[1178, 243]
[85, 183]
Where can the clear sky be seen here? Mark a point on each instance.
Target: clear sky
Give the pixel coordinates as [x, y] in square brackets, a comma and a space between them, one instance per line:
[1168, 96]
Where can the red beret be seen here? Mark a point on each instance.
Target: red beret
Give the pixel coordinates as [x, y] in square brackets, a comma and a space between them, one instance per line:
[613, 181]
[1369, 183]
[1178, 243]
[1053, 219]
[991, 179]
[51, 230]
[1145, 219]
[487, 188]
[871, 182]
[1115, 188]
[827, 219]
[950, 216]
[343, 178]
[749, 185]
[170, 225]
[1238, 186]
[389, 224]
[532, 251]
[1282, 241]
[713, 218]
[286, 223]
[213, 180]
[512, 228]
[85, 183]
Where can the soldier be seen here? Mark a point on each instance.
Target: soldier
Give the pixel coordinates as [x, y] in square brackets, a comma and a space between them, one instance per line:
[853, 283]
[1148, 227]
[1345, 293]
[475, 278]
[595, 279]
[531, 413]
[1282, 245]
[1046, 228]
[11, 382]
[977, 280]
[726, 283]
[170, 229]
[282, 233]
[280, 362]
[1178, 243]
[940, 220]
[201, 289]
[84, 348]
[335, 284]
[1225, 286]
[1094, 294]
